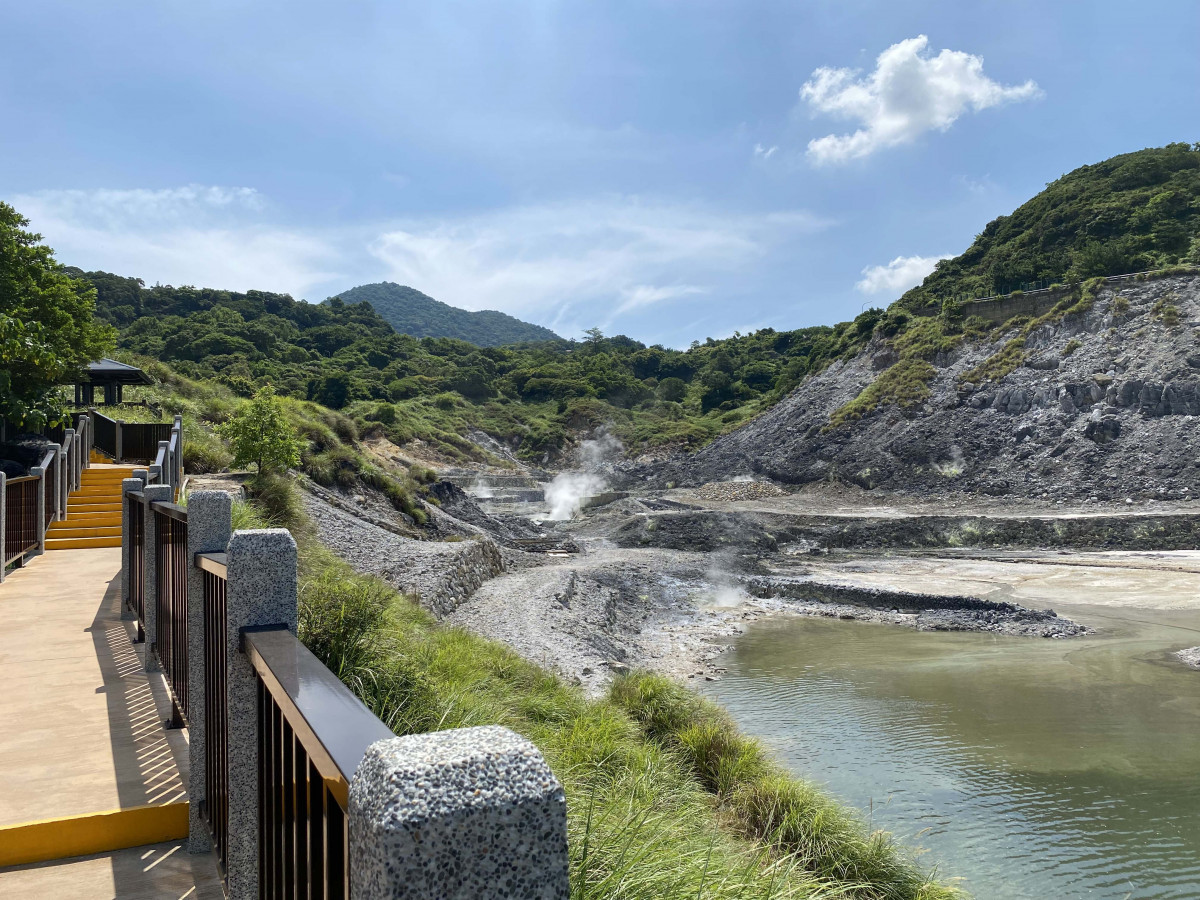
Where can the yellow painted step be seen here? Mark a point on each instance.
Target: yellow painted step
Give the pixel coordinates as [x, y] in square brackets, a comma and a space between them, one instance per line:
[105, 517]
[81, 519]
[101, 506]
[82, 543]
[33, 842]
[84, 531]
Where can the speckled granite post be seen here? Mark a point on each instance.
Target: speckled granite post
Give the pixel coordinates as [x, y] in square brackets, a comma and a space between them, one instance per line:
[136, 483]
[40, 519]
[457, 815]
[261, 591]
[208, 531]
[152, 493]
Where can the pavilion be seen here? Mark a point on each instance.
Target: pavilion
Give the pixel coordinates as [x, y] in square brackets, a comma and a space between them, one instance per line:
[110, 375]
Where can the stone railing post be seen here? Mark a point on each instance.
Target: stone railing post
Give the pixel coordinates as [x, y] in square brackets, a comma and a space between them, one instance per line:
[68, 467]
[151, 494]
[136, 483]
[473, 812]
[3, 515]
[40, 519]
[209, 526]
[177, 456]
[59, 495]
[262, 590]
[164, 469]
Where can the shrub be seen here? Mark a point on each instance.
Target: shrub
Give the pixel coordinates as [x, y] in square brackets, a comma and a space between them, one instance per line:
[260, 433]
[1071, 347]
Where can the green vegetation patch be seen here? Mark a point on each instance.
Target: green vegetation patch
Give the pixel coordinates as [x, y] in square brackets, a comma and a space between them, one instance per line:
[534, 397]
[1012, 355]
[1131, 213]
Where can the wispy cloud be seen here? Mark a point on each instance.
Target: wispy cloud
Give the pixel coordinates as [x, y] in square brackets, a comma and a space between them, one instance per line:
[764, 153]
[569, 265]
[578, 264]
[898, 275]
[202, 235]
[909, 93]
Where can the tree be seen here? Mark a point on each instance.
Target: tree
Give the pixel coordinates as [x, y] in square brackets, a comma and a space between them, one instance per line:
[260, 433]
[47, 330]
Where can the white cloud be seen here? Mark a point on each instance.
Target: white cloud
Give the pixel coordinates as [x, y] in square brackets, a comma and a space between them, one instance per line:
[908, 94]
[897, 276]
[574, 265]
[761, 152]
[203, 235]
[568, 265]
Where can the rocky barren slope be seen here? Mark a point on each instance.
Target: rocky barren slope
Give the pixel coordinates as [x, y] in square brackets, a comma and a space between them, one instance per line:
[1103, 406]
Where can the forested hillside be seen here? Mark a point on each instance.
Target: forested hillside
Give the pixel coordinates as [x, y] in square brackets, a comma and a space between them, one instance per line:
[1130, 213]
[410, 312]
[345, 356]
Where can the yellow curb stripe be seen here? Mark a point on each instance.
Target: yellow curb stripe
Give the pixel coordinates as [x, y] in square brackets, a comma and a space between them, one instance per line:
[32, 842]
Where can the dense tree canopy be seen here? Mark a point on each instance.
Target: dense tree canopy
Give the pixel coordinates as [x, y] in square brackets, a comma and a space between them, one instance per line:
[47, 330]
[410, 312]
[1130, 213]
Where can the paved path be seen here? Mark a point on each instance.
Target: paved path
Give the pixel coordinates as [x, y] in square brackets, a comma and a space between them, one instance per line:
[154, 872]
[80, 721]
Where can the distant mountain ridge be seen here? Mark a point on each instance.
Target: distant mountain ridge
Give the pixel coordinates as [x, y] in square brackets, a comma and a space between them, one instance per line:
[410, 312]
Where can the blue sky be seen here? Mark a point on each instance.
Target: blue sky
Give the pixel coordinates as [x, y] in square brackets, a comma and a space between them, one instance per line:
[669, 170]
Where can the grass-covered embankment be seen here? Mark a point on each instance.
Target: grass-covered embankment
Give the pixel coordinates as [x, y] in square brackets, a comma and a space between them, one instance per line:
[665, 798]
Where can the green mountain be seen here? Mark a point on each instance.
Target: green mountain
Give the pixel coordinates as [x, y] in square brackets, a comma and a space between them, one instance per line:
[1130, 213]
[411, 312]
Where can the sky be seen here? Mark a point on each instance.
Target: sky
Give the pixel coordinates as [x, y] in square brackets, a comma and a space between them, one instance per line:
[664, 169]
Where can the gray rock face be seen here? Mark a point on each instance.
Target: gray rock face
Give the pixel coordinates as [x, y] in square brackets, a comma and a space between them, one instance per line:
[1128, 386]
[463, 814]
[441, 574]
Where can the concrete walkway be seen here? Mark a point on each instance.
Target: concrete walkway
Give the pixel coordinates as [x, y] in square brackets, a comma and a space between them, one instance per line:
[80, 721]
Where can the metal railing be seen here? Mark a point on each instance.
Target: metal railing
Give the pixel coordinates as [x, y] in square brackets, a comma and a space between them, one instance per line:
[20, 518]
[215, 810]
[312, 734]
[136, 537]
[171, 586]
[142, 442]
[105, 435]
[139, 441]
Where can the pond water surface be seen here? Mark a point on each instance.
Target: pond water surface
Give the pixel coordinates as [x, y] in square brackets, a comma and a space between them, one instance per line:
[1030, 768]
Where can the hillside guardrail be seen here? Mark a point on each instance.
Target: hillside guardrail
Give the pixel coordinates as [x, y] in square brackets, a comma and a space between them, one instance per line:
[296, 786]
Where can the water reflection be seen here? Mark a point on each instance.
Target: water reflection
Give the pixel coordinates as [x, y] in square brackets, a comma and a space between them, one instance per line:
[1032, 768]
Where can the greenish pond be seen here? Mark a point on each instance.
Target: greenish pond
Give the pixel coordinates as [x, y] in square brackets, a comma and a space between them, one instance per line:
[1029, 768]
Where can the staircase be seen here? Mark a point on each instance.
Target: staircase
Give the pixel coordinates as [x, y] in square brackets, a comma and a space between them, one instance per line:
[93, 512]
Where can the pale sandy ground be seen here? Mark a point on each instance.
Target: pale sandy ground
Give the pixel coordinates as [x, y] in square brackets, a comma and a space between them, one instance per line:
[1039, 580]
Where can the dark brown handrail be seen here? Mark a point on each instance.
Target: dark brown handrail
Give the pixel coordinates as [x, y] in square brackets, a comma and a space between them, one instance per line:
[313, 733]
[214, 563]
